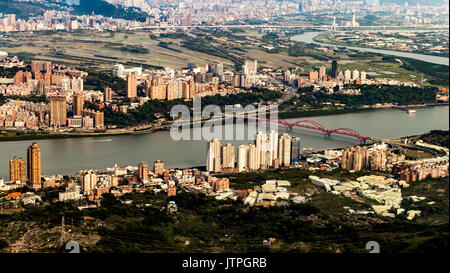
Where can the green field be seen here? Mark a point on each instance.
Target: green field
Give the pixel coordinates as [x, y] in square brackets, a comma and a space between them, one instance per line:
[385, 69]
[398, 68]
[103, 50]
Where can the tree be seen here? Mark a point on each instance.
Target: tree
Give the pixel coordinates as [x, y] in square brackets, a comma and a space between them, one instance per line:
[336, 89]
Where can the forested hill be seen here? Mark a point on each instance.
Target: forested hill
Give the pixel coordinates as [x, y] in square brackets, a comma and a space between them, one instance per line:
[437, 137]
[106, 9]
[24, 10]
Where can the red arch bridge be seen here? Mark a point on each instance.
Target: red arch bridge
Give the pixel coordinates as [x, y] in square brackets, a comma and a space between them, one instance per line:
[312, 125]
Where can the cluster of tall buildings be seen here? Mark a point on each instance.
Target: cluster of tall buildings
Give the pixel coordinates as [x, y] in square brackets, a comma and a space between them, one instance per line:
[268, 151]
[180, 89]
[30, 115]
[38, 82]
[196, 81]
[43, 77]
[354, 76]
[214, 12]
[143, 170]
[375, 157]
[23, 114]
[191, 180]
[315, 76]
[38, 66]
[346, 77]
[201, 12]
[321, 74]
[94, 184]
[7, 22]
[184, 13]
[421, 169]
[331, 79]
[95, 118]
[82, 118]
[357, 158]
[63, 21]
[250, 67]
[369, 6]
[59, 84]
[321, 78]
[19, 171]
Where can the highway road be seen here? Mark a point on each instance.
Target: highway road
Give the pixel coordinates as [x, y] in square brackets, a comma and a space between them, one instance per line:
[289, 91]
[287, 94]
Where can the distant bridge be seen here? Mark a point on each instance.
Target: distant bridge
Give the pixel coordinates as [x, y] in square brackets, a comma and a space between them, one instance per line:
[312, 125]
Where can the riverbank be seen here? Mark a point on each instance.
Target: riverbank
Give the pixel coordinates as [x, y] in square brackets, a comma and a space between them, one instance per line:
[20, 135]
[15, 135]
[41, 136]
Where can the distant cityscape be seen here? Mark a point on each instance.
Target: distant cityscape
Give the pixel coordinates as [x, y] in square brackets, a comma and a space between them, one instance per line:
[64, 86]
[187, 13]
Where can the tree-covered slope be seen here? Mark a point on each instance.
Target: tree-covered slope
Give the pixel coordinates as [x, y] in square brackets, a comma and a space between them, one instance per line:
[24, 10]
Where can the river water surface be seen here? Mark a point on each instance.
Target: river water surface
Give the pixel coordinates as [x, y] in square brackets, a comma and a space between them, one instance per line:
[67, 156]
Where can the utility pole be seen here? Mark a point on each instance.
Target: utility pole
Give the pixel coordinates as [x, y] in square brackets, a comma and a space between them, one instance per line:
[333, 26]
[63, 232]
[422, 81]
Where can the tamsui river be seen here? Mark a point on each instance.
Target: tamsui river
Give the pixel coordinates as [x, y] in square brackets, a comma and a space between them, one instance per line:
[68, 156]
[308, 37]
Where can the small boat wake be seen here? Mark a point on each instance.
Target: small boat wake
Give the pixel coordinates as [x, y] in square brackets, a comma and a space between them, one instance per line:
[100, 140]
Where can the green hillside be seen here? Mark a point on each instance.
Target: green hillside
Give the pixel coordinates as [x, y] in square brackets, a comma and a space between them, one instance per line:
[24, 10]
[106, 9]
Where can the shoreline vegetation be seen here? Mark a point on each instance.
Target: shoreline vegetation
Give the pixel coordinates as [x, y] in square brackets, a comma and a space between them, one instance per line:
[6, 135]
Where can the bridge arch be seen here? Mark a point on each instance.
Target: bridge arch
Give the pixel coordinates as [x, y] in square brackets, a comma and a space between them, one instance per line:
[349, 132]
[310, 124]
[313, 125]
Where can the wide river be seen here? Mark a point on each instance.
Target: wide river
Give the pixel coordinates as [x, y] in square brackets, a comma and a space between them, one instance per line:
[67, 156]
[308, 37]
